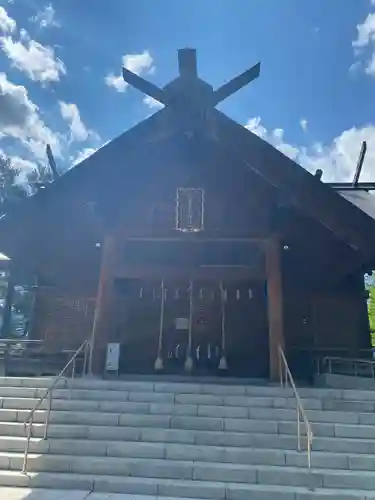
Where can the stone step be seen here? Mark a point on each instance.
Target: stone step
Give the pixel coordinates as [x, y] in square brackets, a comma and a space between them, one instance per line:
[183, 436]
[262, 407]
[283, 401]
[147, 410]
[167, 489]
[142, 407]
[9, 493]
[161, 386]
[227, 409]
[194, 471]
[182, 422]
[202, 453]
[162, 397]
[273, 422]
[221, 388]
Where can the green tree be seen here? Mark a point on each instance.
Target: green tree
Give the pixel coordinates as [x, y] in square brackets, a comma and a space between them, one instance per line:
[11, 191]
[39, 177]
[370, 287]
[17, 294]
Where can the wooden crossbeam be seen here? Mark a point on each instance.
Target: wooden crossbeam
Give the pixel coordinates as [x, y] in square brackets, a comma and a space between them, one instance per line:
[361, 159]
[188, 73]
[316, 199]
[187, 63]
[236, 84]
[144, 86]
[52, 163]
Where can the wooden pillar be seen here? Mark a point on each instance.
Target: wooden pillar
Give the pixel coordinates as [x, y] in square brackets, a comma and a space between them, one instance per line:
[101, 322]
[275, 305]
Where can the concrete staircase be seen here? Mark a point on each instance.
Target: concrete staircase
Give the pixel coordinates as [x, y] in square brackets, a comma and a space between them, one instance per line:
[189, 440]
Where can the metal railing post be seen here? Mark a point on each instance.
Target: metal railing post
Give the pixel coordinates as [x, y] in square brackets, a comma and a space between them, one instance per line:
[309, 442]
[72, 378]
[84, 367]
[28, 438]
[301, 414]
[46, 425]
[49, 393]
[285, 377]
[298, 429]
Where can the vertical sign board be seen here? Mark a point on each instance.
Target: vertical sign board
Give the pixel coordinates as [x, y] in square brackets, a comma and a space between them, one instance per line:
[112, 362]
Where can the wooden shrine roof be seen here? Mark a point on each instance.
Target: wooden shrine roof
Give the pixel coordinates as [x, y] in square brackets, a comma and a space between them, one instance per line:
[190, 112]
[362, 199]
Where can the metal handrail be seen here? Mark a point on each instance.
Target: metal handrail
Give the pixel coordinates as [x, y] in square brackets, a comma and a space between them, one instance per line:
[356, 362]
[49, 392]
[284, 376]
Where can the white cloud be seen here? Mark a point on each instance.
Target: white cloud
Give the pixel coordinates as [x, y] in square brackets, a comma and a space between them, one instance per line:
[83, 154]
[152, 103]
[7, 24]
[254, 125]
[116, 82]
[303, 123]
[22, 164]
[370, 68]
[19, 119]
[71, 114]
[364, 45]
[34, 59]
[337, 159]
[137, 63]
[46, 18]
[366, 32]
[24, 35]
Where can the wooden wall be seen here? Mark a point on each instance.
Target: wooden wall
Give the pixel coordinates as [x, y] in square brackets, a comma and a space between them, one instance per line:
[62, 321]
[326, 323]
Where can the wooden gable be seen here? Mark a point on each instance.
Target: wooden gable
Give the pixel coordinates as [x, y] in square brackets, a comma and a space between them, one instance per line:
[131, 183]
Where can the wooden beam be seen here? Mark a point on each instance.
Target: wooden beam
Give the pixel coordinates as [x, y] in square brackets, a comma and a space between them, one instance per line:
[196, 239]
[275, 305]
[187, 63]
[144, 86]
[104, 292]
[52, 163]
[311, 196]
[361, 159]
[236, 84]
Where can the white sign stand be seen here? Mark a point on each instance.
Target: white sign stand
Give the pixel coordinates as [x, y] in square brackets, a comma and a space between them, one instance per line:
[112, 362]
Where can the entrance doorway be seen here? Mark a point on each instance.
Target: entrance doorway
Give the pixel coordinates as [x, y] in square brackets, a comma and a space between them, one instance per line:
[192, 327]
[196, 327]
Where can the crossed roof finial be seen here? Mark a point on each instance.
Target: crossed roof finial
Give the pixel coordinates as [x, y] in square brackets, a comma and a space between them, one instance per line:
[185, 86]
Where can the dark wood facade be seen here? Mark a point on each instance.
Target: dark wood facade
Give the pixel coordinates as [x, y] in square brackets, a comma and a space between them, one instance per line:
[280, 255]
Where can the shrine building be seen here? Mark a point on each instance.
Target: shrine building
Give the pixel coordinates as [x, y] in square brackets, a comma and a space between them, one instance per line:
[196, 245]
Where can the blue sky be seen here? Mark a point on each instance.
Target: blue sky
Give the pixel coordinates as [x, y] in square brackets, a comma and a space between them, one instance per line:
[60, 66]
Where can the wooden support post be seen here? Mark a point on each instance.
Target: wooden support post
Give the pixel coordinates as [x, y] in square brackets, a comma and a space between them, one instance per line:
[100, 323]
[275, 305]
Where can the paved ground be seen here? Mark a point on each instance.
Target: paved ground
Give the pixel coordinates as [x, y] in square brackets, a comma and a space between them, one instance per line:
[39, 494]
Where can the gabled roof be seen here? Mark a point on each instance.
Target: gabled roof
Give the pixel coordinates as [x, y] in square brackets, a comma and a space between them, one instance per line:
[346, 220]
[361, 199]
[190, 111]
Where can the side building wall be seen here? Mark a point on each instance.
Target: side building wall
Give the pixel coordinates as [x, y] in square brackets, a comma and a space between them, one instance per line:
[327, 323]
[62, 321]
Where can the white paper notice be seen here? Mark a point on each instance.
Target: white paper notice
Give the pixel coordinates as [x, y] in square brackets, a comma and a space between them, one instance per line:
[113, 356]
